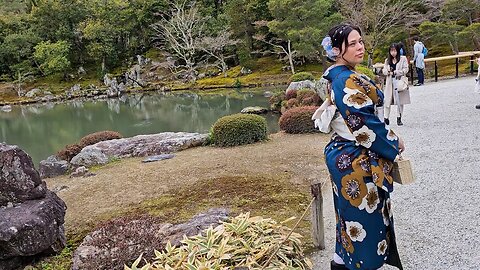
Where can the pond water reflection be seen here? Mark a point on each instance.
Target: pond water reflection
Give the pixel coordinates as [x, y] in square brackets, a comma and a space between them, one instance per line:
[42, 130]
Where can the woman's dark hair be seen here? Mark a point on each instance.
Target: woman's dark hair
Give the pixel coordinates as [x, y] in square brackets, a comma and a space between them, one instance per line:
[401, 48]
[339, 34]
[396, 47]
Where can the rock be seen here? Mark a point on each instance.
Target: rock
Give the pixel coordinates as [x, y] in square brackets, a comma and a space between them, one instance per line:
[6, 108]
[81, 71]
[90, 156]
[138, 146]
[81, 171]
[245, 71]
[33, 93]
[60, 188]
[31, 216]
[19, 181]
[254, 110]
[158, 158]
[75, 88]
[52, 167]
[30, 228]
[122, 240]
[306, 84]
[268, 94]
[321, 88]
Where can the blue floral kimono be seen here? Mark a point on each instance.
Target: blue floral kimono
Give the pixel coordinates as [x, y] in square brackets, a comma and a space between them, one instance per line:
[360, 173]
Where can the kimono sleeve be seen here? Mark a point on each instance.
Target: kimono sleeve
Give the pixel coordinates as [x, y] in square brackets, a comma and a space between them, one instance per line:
[355, 99]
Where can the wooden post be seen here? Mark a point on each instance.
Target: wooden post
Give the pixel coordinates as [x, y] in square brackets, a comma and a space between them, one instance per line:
[456, 67]
[436, 71]
[411, 73]
[318, 229]
[471, 64]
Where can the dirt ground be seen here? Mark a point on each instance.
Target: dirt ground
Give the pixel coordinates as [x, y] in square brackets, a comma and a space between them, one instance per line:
[129, 182]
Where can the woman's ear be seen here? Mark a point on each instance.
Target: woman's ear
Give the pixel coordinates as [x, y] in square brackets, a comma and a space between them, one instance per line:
[336, 51]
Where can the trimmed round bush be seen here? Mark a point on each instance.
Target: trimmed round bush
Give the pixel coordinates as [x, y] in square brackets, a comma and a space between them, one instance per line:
[69, 151]
[291, 94]
[298, 120]
[293, 102]
[308, 97]
[239, 129]
[302, 76]
[99, 137]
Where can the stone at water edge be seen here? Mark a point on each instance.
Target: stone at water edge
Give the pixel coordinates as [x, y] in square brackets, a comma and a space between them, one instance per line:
[306, 84]
[254, 110]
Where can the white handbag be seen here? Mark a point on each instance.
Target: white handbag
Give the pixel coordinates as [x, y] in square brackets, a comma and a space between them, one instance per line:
[402, 84]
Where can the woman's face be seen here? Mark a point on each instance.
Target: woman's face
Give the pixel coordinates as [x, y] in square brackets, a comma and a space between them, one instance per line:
[353, 53]
[393, 52]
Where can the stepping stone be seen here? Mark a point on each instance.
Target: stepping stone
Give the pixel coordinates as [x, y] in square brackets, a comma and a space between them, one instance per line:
[158, 157]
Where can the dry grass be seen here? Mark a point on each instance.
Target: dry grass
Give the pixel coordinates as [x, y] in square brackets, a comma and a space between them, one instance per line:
[293, 159]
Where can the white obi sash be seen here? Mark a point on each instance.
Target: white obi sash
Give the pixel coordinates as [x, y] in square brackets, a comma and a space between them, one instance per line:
[325, 120]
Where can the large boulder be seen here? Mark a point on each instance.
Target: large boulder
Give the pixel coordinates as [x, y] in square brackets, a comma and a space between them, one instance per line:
[89, 157]
[33, 93]
[137, 146]
[122, 240]
[307, 84]
[52, 167]
[19, 181]
[31, 216]
[321, 87]
[31, 228]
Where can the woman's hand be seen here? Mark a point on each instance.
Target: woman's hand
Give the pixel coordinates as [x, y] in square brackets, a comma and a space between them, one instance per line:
[401, 145]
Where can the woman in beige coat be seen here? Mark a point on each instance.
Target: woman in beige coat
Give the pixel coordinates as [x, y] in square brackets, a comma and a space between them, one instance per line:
[396, 86]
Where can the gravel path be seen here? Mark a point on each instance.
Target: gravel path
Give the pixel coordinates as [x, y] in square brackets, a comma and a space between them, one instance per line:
[438, 217]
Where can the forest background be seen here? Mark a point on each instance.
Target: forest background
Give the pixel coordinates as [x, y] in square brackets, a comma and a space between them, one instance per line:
[59, 39]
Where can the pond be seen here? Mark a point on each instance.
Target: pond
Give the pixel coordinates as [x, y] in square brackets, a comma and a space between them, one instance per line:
[43, 129]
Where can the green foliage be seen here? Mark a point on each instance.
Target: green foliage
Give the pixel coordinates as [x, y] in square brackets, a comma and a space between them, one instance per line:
[303, 22]
[276, 101]
[302, 76]
[365, 70]
[239, 241]
[239, 129]
[298, 120]
[52, 57]
[442, 33]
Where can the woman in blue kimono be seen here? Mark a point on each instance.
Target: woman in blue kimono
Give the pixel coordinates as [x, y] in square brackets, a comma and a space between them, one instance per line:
[359, 158]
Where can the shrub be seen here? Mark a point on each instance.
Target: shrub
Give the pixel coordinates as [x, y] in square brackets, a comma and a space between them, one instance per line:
[98, 137]
[69, 151]
[302, 76]
[291, 103]
[248, 238]
[238, 129]
[291, 94]
[365, 70]
[298, 120]
[308, 97]
[276, 100]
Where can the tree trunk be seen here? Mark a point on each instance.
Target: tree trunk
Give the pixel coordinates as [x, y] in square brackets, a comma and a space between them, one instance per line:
[290, 57]
[103, 65]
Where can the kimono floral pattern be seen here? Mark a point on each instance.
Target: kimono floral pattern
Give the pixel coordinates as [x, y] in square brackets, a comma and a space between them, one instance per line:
[360, 173]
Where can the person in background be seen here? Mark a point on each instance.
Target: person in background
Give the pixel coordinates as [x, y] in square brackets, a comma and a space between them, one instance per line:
[359, 158]
[477, 81]
[396, 86]
[418, 59]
